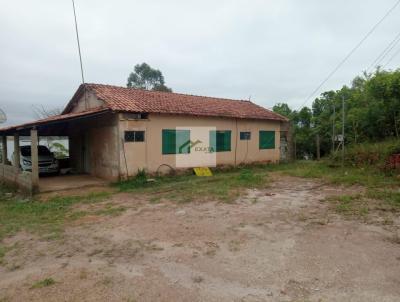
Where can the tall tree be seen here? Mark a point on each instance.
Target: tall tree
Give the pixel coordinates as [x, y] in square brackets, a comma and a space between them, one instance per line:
[145, 77]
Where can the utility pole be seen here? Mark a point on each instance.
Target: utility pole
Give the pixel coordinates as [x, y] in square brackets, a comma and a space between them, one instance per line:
[343, 123]
[318, 148]
[333, 127]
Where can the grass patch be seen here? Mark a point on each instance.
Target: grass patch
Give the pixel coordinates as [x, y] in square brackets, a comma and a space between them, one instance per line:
[228, 184]
[373, 200]
[40, 216]
[352, 205]
[43, 283]
[391, 198]
[224, 185]
[349, 175]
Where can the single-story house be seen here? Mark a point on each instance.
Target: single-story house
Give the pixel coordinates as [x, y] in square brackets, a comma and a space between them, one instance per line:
[114, 132]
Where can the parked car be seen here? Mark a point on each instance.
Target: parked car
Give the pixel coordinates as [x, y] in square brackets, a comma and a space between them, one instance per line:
[47, 161]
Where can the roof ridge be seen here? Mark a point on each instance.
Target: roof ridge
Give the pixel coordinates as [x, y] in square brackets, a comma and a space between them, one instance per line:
[165, 92]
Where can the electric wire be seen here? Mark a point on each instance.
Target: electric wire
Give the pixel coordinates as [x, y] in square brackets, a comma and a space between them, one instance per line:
[385, 52]
[353, 50]
[392, 57]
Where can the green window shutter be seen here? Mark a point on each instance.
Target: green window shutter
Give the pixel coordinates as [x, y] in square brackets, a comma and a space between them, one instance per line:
[267, 140]
[227, 141]
[182, 141]
[168, 141]
[175, 141]
[220, 140]
[213, 140]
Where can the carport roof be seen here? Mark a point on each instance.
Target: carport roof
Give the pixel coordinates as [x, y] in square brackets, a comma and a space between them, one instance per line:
[52, 119]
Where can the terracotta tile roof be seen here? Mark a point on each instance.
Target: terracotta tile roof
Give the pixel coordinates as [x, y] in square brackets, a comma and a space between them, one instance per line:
[136, 100]
[55, 118]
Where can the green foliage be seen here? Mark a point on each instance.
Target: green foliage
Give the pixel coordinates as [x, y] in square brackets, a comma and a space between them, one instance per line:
[59, 150]
[145, 77]
[372, 113]
[369, 153]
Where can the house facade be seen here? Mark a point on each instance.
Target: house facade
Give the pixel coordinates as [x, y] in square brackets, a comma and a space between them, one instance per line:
[145, 128]
[114, 132]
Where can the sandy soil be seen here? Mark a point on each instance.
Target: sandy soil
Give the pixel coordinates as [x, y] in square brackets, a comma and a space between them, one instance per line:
[277, 244]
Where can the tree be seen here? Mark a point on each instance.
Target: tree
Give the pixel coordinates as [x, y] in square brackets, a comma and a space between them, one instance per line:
[283, 109]
[372, 113]
[145, 77]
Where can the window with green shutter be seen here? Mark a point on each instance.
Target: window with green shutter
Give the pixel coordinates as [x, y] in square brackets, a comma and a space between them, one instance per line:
[175, 141]
[267, 140]
[220, 141]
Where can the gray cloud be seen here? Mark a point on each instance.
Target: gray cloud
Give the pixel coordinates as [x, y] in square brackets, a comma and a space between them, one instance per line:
[275, 51]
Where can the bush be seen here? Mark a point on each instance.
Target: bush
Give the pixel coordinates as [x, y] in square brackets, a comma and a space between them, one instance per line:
[368, 153]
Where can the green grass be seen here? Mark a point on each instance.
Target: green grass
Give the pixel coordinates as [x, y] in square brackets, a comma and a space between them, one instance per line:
[373, 200]
[352, 205]
[392, 198]
[349, 175]
[43, 283]
[224, 185]
[40, 216]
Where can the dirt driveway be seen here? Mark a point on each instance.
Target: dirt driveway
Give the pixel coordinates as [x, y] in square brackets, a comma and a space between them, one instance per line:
[279, 244]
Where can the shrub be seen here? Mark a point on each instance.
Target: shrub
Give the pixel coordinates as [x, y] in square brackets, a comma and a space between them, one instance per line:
[367, 154]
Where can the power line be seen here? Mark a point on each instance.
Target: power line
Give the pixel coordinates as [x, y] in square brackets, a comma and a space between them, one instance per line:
[351, 53]
[385, 52]
[392, 57]
[77, 39]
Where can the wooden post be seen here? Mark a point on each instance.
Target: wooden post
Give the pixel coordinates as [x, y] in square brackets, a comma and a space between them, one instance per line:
[16, 151]
[318, 148]
[4, 150]
[34, 160]
[290, 142]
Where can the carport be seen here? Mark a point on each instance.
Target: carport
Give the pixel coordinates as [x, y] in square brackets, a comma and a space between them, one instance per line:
[78, 127]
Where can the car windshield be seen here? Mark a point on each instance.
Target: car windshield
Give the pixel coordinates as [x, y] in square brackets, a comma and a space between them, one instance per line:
[42, 151]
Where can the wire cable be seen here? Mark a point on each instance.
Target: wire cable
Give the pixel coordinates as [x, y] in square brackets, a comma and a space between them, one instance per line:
[385, 52]
[355, 48]
[392, 57]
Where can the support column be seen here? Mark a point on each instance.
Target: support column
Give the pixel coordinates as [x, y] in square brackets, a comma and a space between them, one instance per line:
[16, 151]
[35, 160]
[4, 150]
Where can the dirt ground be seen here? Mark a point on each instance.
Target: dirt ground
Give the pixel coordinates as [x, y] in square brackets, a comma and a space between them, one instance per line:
[284, 243]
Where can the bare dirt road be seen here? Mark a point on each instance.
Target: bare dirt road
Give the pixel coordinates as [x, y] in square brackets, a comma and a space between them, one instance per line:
[284, 243]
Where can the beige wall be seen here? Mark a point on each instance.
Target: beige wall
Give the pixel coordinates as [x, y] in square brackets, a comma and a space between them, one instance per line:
[94, 146]
[83, 104]
[149, 155]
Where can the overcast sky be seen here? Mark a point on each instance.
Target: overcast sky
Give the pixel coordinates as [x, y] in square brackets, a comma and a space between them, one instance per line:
[274, 51]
